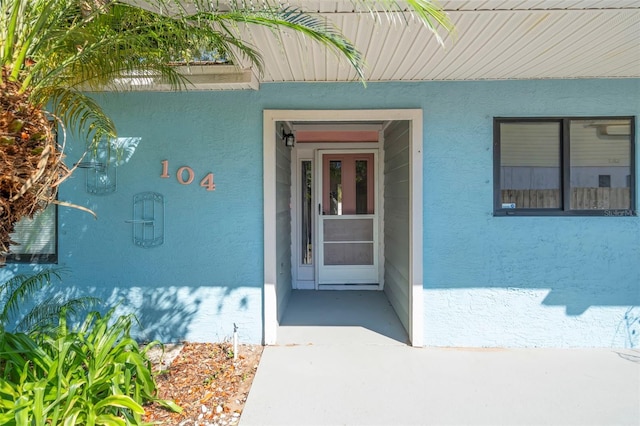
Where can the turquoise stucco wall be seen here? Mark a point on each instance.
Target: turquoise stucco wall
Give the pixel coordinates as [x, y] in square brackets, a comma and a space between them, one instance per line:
[488, 281]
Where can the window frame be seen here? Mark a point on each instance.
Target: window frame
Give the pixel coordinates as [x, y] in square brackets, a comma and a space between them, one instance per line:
[37, 258]
[565, 169]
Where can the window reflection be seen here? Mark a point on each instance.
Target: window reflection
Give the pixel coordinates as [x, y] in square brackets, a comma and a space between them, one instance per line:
[335, 187]
[306, 231]
[361, 186]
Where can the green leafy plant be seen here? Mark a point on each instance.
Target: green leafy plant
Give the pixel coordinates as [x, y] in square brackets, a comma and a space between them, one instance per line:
[95, 374]
[21, 291]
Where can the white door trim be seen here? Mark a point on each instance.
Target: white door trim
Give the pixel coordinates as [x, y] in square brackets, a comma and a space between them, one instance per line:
[270, 118]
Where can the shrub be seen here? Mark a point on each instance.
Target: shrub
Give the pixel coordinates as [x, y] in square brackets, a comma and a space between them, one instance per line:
[95, 374]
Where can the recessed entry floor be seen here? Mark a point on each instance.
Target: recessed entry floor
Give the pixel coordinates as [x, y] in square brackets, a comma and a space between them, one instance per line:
[331, 317]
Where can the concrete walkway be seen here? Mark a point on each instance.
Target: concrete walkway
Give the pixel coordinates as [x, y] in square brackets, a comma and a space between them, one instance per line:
[342, 359]
[399, 385]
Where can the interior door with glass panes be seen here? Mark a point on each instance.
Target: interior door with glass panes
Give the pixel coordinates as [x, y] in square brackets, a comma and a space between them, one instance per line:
[347, 218]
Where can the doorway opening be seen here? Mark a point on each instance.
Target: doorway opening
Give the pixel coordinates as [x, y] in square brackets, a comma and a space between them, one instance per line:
[343, 210]
[344, 233]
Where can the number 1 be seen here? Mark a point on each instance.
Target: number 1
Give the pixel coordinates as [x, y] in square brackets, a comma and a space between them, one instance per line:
[165, 169]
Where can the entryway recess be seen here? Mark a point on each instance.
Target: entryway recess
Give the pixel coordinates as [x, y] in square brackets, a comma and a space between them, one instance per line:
[343, 209]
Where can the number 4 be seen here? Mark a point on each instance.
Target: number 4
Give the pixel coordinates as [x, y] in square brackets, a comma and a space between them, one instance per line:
[207, 182]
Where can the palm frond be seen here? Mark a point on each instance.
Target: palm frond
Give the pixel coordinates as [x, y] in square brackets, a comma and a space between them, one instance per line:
[59, 48]
[433, 17]
[20, 288]
[311, 26]
[43, 316]
[107, 46]
[81, 113]
[426, 11]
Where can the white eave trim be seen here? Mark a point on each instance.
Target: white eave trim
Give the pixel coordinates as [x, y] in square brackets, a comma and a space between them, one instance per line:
[201, 77]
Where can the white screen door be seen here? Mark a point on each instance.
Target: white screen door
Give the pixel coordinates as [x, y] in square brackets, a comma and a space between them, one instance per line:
[347, 218]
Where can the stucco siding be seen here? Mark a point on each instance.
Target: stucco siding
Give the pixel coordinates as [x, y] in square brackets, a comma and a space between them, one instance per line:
[207, 275]
[521, 281]
[488, 281]
[396, 218]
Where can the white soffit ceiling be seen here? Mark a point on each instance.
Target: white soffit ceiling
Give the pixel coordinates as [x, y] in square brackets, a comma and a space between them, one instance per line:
[494, 40]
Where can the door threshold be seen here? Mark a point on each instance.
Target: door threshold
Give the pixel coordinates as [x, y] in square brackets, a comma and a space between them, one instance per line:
[349, 287]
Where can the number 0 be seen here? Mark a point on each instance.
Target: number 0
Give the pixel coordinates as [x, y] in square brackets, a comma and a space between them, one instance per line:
[180, 175]
[207, 182]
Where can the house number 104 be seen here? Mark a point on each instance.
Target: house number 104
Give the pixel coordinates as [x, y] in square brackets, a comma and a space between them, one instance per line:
[185, 176]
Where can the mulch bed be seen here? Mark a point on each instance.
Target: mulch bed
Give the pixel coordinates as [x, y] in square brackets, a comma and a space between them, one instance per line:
[207, 383]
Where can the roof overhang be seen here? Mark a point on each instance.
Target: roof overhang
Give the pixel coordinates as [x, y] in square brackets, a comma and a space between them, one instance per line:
[494, 40]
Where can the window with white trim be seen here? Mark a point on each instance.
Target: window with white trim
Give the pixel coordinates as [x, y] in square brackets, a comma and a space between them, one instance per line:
[564, 166]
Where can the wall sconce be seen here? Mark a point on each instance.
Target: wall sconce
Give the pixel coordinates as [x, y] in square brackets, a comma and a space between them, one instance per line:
[288, 138]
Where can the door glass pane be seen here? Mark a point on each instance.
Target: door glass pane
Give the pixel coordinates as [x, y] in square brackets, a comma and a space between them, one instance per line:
[600, 163]
[362, 187]
[335, 187]
[530, 165]
[306, 222]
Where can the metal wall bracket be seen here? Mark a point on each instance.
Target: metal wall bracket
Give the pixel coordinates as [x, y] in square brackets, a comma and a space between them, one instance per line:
[101, 169]
[148, 219]
[102, 181]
